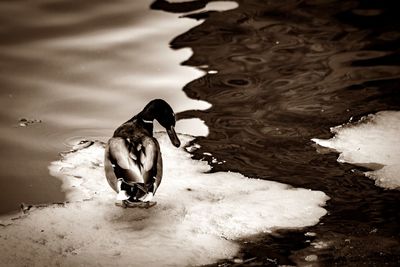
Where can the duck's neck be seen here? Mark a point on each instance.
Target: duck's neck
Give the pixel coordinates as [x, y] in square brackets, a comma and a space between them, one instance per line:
[146, 116]
[146, 120]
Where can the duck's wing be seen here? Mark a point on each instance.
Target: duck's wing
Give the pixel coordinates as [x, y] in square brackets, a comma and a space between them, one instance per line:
[109, 169]
[132, 161]
[157, 170]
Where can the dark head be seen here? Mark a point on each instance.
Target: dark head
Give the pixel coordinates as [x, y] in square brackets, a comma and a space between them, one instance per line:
[161, 111]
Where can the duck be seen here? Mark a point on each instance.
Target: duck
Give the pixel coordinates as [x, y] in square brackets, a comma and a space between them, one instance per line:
[133, 161]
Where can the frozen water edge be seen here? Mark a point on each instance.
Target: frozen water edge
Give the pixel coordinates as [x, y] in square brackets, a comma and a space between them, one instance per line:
[196, 221]
[373, 142]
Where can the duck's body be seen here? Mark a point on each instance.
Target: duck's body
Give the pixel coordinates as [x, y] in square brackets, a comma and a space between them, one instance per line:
[133, 162]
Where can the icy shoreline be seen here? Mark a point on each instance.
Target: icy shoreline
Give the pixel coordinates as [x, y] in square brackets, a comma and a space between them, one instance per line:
[196, 221]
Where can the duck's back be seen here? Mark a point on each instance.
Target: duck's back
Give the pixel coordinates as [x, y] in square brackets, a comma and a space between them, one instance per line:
[131, 154]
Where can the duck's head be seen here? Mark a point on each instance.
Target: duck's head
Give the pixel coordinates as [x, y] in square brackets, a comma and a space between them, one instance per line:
[161, 111]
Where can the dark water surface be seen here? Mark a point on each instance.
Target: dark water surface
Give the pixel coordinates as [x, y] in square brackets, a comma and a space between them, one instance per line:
[287, 71]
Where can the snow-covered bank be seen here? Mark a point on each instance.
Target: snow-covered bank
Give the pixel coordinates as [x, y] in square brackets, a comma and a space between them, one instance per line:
[196, 221]
[373, 142]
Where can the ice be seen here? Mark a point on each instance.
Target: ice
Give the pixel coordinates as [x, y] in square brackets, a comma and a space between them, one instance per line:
[193, 126]
[373, 142]
[23, 122]
[213, 6]
[197, 219]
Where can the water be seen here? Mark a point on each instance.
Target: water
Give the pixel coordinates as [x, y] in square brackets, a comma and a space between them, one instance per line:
[81, 70]
[287, 72]
[283, 72]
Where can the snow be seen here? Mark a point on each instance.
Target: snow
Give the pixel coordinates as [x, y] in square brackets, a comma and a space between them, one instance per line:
[373, 142]
[197, 220]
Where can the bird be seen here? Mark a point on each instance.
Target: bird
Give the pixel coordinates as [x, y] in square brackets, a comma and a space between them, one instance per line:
[132, 160]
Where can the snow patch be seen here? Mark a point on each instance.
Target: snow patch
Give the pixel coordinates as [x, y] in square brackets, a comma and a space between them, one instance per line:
[197, 219]
[372, 142]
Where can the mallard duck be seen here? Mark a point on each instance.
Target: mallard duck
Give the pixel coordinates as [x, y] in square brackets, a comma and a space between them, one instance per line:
[133, 162]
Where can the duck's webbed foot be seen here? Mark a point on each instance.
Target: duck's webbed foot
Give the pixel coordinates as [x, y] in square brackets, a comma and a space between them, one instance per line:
[137, 204]
[135, 195]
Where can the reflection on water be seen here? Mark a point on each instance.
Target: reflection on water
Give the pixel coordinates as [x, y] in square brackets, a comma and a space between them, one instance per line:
[81, 69]
[287, 71]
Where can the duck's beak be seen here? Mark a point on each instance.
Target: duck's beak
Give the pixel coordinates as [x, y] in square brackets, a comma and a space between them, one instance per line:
[173, 137]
